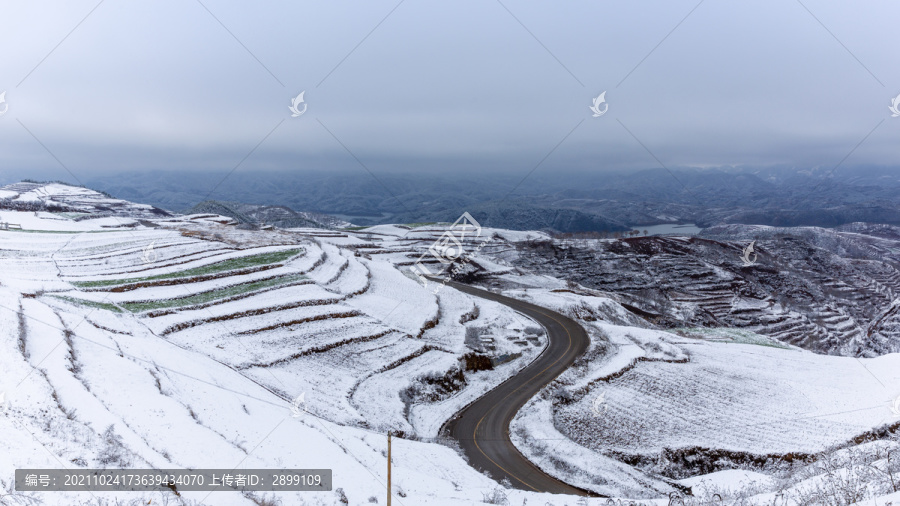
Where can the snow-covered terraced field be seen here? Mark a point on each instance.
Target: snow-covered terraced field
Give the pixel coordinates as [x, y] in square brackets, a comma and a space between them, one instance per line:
[56, 205]
[664, 392]
[103, 399]
[332, 267]
[730, 391]
[329, 377]
[124, 255]
[270, 301]
[238, 261]
[706, 399]
[395, 299]
[352, 280]
[183, 344]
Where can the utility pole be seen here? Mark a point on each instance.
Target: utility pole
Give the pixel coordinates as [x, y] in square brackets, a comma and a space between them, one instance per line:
[389, 470]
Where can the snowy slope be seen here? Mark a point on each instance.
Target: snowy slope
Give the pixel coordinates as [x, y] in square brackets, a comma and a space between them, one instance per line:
[69, 202]
[191, 338]
[182, 341]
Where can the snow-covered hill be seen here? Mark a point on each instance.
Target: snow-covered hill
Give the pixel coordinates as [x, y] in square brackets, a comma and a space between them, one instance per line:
[829, 291]
[129, 339]
[73, 201]
[181, 342]
[694, 401]
[261, 215]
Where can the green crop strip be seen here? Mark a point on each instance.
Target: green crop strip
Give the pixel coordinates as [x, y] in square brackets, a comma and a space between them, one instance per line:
[225, 265]
[90, 303]
[732, 335]
[423, 224]
[212, 295]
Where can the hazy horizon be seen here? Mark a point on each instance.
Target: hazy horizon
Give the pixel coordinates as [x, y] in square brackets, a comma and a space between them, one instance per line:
[438, 88]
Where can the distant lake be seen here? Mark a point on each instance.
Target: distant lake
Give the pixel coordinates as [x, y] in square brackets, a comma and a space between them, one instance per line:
[669, 229]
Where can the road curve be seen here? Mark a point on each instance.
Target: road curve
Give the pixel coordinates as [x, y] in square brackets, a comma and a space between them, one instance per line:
[482, 428]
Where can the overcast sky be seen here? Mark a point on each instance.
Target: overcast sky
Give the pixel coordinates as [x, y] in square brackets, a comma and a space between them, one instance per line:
[428, 85]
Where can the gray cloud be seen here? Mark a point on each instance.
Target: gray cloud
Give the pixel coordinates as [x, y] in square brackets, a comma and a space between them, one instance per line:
[446, 85]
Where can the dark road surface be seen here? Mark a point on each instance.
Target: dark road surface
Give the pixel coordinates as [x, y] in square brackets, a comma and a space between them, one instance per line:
[482, 428]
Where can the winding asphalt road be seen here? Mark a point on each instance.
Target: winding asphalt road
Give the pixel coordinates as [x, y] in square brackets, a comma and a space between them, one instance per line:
[482, 428]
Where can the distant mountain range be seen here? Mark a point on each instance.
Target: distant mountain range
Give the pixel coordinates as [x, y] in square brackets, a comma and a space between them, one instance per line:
[566, 202]
[259, 215]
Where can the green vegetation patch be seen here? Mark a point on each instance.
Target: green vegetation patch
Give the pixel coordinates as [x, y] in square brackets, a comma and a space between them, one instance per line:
[221, 293]
[90, 303]
[224, 265]
[425, 224]
[731, 335]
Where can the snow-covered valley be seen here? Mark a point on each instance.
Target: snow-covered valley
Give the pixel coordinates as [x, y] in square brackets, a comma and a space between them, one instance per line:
[141, 341]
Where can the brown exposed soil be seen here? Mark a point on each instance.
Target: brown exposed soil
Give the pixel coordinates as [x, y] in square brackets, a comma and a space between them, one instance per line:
[319, 349]
[244, 314]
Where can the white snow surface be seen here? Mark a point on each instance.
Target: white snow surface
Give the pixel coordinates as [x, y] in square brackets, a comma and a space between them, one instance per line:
[661, 391]
[208, 382]
[217, 393]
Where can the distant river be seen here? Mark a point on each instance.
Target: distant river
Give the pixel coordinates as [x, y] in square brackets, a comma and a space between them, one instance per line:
[686, 229]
